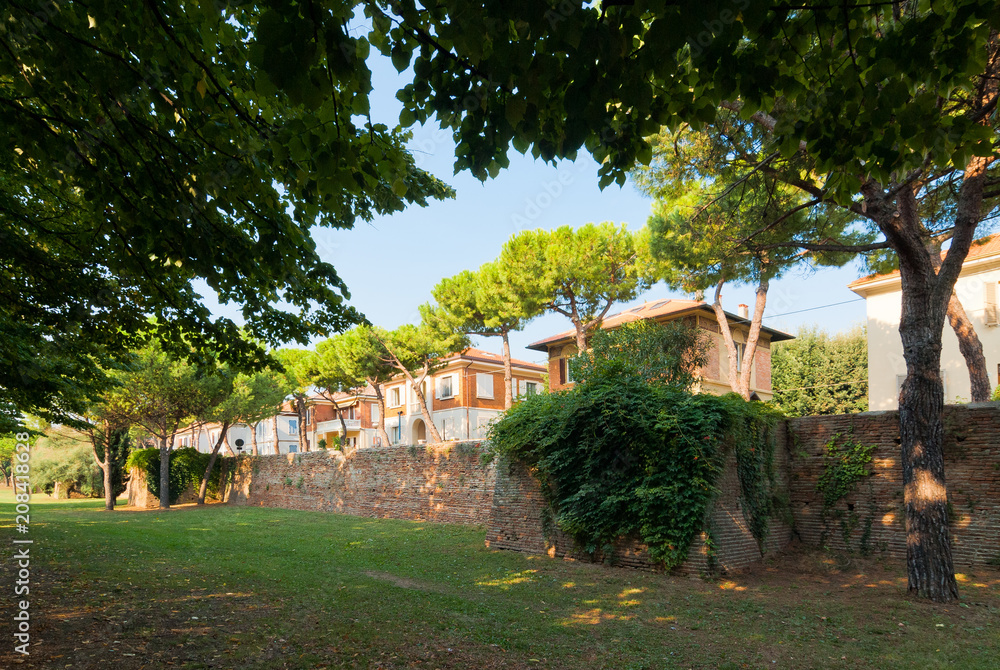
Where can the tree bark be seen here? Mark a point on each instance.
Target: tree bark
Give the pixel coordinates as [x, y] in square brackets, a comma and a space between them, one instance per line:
[300, 409]
[432, 430]
[203, 489]
[105, 466]
[727, 338]
[165, 469]
[343, 428]
[253, 439]
[750, 349]
[274, 428]
[508, 377]
[972, 350]
[380, 429]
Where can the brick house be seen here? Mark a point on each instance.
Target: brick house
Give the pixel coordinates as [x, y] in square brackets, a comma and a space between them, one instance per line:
[361, 417]
[463, 395]
[713, 377]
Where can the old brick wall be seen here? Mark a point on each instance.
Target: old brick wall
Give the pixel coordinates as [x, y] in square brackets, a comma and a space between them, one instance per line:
[445, 483]
[871, 518]
[520, 521]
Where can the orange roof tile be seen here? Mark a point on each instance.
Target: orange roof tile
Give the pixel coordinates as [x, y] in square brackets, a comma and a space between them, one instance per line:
[487, 357]
[654, 309]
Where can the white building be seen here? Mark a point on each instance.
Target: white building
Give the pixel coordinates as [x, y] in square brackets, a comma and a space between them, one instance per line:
[976, 289]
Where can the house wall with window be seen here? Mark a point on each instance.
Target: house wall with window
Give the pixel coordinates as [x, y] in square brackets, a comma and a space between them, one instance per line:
[464, 394]
[713, 376]
[977, 289]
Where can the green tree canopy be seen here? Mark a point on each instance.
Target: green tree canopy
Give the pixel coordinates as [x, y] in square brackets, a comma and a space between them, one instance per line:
[579, 273]
[149, 145]
[817, 373]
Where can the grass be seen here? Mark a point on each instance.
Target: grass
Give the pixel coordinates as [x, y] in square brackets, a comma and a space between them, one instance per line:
[224, 587]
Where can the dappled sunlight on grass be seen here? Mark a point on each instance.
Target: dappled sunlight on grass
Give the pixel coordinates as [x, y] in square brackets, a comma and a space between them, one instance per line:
[730, 585]
[505, 582]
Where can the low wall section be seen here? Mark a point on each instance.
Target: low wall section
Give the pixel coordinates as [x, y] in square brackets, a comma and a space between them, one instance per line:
[446, 483]
[871, 519]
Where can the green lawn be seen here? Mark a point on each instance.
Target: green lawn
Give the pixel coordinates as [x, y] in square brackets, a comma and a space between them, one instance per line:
[227, 587]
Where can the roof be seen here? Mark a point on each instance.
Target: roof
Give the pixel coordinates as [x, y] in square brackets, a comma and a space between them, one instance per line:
[657, 309]
[340, 397]
[481, 356]
[983, 248]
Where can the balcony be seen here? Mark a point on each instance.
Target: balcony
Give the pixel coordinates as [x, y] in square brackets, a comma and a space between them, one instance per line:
[334, 426]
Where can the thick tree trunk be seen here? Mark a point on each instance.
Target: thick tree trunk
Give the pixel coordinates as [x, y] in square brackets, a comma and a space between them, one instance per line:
[508, 377]
[972, 350]
[105, 466]
[380, 429]
[203, 489]
[750, 349]
[921, 425]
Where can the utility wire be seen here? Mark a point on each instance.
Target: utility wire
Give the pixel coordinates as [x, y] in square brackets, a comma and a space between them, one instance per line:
[810, 309]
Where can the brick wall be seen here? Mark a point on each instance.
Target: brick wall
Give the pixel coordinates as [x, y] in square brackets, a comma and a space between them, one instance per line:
[520, 521]
[972, 469]
[444, 483]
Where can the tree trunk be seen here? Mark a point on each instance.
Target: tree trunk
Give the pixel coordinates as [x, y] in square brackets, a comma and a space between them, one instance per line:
[277, 442]
[343, 429]
[105, 466]
[508, 377]
[253, 439]
[750, 349]
[203, 489]
[165, 470]
[972, 350]
[300, 409]
[225, 440]
[727, 337]
[380, 429]
[432, 430]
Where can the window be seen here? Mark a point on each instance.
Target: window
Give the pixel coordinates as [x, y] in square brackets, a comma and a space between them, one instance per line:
[562, 370]
[530, 388]
[293, 426]
[445, 387]
[185, 442]
[484, 385]
[375, 415]
[740, 349]
[308, 416]
[292, 448]
[394, 400]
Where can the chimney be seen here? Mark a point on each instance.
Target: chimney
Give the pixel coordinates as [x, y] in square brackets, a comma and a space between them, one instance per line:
[743, 311]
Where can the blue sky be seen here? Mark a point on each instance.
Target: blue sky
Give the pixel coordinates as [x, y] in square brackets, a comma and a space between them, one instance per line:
[392, 264]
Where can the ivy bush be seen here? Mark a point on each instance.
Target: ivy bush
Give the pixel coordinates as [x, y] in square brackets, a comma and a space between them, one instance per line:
[187, 466]
[622, 454]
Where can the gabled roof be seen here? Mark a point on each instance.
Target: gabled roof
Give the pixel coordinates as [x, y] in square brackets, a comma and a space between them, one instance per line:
[657, 309]
[481, 356]
[981, 249]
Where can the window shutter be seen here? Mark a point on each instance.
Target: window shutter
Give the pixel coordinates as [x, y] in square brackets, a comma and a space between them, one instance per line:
[991, 315]
[562, 370]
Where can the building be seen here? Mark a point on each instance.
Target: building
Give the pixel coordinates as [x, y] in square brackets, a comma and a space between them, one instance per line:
[276, 435]
[463, 395]
[713, 377]
[361, 416]
[976, 289]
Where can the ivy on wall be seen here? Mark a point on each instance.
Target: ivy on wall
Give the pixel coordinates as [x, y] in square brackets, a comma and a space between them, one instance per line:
[187, 467]
[845, 464]
[622, 457]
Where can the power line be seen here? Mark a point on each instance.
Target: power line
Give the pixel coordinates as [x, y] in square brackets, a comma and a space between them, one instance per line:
[810, 309]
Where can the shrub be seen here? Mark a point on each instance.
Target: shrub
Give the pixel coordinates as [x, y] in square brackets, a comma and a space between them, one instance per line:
[626, 453]
[187, 466]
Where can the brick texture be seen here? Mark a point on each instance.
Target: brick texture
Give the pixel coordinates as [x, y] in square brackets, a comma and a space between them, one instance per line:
[445, 483]
[875, 509]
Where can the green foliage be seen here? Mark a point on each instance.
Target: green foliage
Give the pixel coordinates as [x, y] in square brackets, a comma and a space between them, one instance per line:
[187, 467]
[73, 467]
[578, 273]
[321, 443]
[617, 456]
[818, 373]
[203, 151]
[663, 354]
[844, 465]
